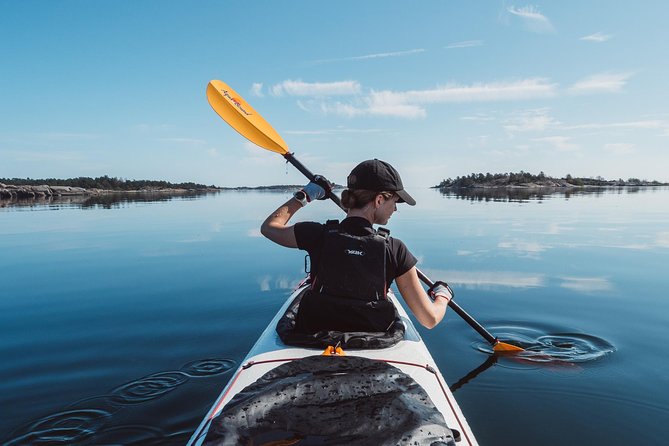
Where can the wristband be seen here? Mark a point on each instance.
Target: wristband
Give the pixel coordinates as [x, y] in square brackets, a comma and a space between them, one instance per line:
[448, 298]
[301, 197]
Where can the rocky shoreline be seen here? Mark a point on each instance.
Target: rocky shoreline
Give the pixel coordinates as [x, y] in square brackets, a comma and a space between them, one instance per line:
[12, 192]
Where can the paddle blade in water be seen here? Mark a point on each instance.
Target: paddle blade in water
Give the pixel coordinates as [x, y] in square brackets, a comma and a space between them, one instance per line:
[242, 117]
[503, 347]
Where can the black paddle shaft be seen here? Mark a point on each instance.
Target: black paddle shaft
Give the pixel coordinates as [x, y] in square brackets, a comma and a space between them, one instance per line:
[426, 280]
[307, 173]
[463, 314]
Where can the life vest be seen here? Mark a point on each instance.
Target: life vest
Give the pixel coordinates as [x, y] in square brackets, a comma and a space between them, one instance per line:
[353, 266]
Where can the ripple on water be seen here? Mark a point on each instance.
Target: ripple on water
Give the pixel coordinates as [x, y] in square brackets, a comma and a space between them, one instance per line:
[208, 367]
[65, 427]
[93, 417]
[148, 388]
[129, 435]
[543, 347]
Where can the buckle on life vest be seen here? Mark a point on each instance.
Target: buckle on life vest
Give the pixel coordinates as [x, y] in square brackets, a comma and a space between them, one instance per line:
[334, 351]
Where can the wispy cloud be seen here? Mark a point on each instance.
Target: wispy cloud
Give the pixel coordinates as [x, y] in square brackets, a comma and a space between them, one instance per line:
[256, 89]
[333, 131]
[411, 103]
[465, 44]
[479, 117]
[531, 121]
[560, 143]
[392, 54]
[374, 56]
[349, 99]
[601, 83]
[620, 148]
[532, 88]
[533, 20]
[597, 37]
[649, 124]
[319, 89]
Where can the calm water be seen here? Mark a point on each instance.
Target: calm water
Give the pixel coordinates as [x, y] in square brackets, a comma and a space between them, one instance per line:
[121, 323]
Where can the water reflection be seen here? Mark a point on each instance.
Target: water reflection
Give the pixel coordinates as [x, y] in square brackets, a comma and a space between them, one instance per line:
[67, 427]
[587, 284]
[114, 200]
[103, 417]
[524, 194]
[489, 279]
[474, 373]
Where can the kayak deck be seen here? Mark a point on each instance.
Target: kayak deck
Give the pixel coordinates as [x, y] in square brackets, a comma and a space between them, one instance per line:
[410, 356]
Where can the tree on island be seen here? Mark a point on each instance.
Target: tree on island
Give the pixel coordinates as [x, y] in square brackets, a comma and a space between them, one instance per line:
[541, 180]
[105, 182]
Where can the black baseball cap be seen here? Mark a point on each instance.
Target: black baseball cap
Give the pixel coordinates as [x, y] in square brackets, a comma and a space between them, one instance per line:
[378, 176]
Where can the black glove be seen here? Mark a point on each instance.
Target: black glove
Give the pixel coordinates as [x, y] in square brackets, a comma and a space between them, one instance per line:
[325, 184]
[440, 288]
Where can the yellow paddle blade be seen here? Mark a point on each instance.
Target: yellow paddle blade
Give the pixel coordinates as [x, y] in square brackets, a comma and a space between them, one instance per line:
[242, 117]
[503, 347]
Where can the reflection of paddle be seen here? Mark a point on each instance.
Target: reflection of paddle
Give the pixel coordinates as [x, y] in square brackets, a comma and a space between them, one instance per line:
[242, 117]
[489, 362]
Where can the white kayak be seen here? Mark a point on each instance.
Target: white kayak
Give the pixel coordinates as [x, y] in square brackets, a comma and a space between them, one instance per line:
[270, 357]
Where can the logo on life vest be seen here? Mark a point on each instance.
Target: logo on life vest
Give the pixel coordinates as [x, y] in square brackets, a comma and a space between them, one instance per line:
[354, 252]
[235, 101]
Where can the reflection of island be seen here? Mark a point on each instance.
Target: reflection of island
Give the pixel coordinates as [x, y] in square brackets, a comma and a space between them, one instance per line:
[537, 193]
[111, 192]
[276, 188]
[524, 186]
[87, 192]
[99, 198]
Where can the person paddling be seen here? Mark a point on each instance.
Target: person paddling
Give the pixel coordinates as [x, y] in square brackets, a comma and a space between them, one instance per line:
[353, 264]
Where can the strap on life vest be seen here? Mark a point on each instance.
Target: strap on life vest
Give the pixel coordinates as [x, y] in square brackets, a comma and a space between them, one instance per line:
[332, 225]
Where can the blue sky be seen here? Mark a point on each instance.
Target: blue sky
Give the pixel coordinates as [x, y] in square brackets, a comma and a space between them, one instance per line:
[437, 88]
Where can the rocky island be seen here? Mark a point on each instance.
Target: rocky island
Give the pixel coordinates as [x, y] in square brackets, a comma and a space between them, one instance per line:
[527, 180]
[98, 190]
[524, 186]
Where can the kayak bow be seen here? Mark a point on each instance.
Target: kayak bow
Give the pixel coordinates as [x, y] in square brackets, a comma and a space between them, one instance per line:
[345, 404]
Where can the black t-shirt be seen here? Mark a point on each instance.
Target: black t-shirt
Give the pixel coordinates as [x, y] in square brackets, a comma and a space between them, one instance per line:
[310, 237]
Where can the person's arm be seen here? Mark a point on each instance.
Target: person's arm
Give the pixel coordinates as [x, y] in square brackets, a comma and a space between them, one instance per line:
[429, 313]
[275, 227]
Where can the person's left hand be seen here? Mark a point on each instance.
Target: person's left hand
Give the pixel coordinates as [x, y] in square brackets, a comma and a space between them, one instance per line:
[317, 189]
[440, 289]
[325, 184]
